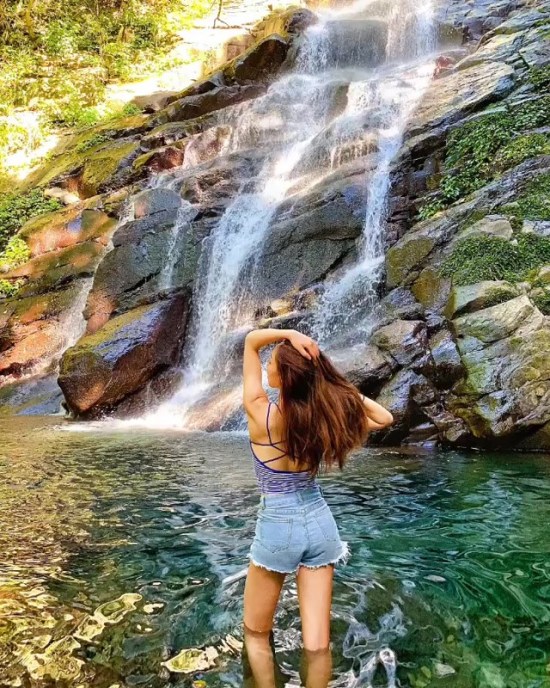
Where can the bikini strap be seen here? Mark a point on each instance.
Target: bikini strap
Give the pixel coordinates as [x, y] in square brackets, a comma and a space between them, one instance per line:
[275, 458]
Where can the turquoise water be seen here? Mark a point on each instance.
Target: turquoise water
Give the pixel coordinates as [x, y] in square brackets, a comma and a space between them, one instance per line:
[450, 564]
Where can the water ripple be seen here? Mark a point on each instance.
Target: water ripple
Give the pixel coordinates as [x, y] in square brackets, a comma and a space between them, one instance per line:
[450, 566]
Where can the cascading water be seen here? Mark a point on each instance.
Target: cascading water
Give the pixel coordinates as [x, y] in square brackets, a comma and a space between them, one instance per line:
[379, 52]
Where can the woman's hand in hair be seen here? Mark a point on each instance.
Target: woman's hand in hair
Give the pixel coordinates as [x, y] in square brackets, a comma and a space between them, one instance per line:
[304, 345]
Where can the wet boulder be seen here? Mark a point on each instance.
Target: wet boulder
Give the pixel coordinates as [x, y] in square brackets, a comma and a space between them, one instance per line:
[194, 106]
[104, 368]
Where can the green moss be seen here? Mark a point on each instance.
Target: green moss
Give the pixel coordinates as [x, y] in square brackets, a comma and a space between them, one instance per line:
[480, 150]
[534, 203]
[93, 141]
[540, 78]
[16, 209]
[403, 257]
[104, 164]
[480, 258]
[520, 149]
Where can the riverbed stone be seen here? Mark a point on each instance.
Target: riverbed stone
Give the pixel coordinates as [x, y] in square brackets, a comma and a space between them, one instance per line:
[120, 358]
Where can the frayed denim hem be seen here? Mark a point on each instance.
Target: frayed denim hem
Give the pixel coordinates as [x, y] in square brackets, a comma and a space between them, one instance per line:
[342, 558]
[266, 568]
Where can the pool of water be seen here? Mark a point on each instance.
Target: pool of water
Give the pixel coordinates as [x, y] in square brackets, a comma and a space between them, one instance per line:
[114, 546]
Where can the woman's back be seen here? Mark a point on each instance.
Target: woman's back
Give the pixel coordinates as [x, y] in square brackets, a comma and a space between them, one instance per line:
[269, 450]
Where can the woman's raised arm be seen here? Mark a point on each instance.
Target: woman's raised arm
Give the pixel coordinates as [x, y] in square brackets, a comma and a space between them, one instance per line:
[378, 416]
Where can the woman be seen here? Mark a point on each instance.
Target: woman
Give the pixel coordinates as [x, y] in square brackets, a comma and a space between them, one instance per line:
[319, 419]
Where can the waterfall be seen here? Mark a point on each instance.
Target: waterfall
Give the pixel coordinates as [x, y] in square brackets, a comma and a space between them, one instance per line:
[300, 137]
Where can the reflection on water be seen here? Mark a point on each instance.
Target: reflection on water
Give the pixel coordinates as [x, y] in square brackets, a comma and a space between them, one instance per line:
[114, 547]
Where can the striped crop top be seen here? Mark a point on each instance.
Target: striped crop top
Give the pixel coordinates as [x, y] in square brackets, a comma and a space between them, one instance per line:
[271, 480]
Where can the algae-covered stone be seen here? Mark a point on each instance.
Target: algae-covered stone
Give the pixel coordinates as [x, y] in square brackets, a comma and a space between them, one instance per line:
[475, 297]
[430, 288]
[56, 269]
[496, 322]
[88, 170]
[405, 255]
[192, 660]
[100, 169]
[66, 228]
[493, 225]
[118, 360]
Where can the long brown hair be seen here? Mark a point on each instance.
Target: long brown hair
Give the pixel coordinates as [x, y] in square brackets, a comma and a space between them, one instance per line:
[324, 415]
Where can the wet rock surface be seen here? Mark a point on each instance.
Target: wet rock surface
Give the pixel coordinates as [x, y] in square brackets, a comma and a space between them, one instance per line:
[119, 359]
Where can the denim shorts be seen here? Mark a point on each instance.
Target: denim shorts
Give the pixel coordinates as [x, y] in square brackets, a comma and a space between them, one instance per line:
[296, 529]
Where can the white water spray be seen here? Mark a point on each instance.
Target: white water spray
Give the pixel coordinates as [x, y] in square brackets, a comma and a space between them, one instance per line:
[294, 127]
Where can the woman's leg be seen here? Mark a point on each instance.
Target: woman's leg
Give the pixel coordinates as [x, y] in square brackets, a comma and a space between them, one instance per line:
[259, 654]
[315, 598]
[261, 594]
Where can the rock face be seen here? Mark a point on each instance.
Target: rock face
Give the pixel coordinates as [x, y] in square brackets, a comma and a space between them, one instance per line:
[117, 361]
[460, 332]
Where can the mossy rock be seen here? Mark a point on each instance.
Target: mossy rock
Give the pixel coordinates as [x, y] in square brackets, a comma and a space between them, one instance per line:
[41, 306]
[56, 268]
[92, 168]
[430, 289]
[119, 359]
[495, 322]
[102, 166]
[67, 227]
[406, 255]
[475, 297]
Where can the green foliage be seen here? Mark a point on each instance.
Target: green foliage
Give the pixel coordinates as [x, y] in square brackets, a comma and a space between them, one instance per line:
[540, 78]
[16, 209]
[8, 288]
[534, 203]
[532, 114]
[542, 302]
[430, 209]
[487, 257]
[520, 149]
[57, 57]
[481, 149]
[15, 253]
[470, 154]
[129, 110]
